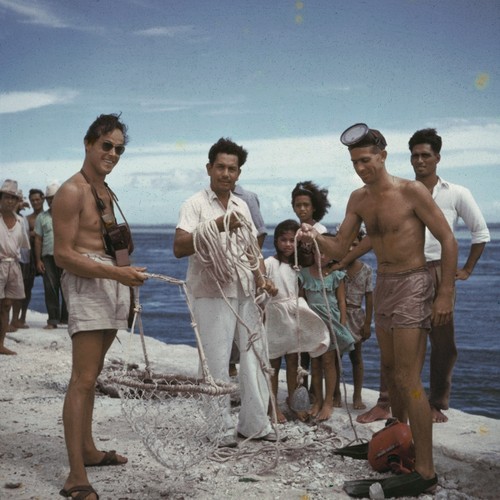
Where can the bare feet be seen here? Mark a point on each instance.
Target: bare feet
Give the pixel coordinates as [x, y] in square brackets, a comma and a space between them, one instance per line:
[4, 350]
[337, 401]
[280, 416]
[326, 412]
[378, 412]
[49, 326]
[19, 324]
[11, 328]
[303, 416]
[438, 417]
[357, 403]
[315, 409]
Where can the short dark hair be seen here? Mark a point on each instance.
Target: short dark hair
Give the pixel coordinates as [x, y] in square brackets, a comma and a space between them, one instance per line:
[426, 136]
[36, 191]
[318, 196]
[226, 145]
[105, 124]
[281, 228]
[374, 139]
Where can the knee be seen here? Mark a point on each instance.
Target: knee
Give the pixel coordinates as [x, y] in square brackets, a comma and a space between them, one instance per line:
[6, 304]
[84, 381]
[328, 362]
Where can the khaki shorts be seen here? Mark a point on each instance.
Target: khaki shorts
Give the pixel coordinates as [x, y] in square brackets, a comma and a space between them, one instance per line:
[404, 300]
[11, 280]
[95, 303]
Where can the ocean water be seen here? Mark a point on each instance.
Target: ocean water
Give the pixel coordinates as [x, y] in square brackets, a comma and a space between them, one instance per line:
[476, 379]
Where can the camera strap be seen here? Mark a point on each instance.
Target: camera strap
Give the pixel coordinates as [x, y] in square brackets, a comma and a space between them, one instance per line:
[101, 206]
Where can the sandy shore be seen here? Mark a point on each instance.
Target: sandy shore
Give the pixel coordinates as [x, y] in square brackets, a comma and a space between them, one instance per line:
[33, 462]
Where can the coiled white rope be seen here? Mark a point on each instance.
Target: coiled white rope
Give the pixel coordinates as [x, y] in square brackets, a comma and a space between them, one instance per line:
[224, 253]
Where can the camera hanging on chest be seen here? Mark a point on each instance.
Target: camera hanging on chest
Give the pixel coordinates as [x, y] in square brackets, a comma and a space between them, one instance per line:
[117, 238]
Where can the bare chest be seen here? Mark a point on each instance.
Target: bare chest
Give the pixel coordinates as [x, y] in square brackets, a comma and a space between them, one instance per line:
[387, 214]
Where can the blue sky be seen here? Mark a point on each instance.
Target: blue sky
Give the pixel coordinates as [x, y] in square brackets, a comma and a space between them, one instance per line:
[282, 78]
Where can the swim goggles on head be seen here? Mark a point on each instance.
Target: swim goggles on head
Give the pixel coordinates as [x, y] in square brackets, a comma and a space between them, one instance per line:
[360, 132]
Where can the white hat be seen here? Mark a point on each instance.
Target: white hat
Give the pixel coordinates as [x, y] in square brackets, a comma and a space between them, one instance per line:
[51, 189]
[10, 187]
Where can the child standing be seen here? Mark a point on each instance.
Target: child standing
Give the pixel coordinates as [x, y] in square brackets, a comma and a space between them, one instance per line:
[358, 285]
[289, 329]
[310, 204]
[313, 280]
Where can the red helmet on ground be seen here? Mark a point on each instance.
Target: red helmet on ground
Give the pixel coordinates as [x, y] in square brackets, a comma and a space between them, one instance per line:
[392, 448]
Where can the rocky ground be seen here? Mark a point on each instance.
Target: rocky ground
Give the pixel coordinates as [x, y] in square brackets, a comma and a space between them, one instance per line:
[33, 462]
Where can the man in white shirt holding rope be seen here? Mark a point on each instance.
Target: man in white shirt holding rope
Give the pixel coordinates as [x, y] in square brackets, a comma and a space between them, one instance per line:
[225, 267]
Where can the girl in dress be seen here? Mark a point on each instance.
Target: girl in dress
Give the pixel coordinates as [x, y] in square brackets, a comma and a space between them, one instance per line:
[318, 282]
[310, 204]
[291, 326]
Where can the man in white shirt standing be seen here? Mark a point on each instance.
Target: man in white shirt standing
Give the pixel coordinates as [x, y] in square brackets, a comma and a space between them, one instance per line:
[456, 202]
[215, 319]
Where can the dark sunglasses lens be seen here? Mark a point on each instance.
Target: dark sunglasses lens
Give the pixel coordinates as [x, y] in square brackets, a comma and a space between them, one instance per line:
[107, 146]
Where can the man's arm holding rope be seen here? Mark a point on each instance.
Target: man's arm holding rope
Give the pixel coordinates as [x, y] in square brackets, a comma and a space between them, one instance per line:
[184, 244]
[333, 248]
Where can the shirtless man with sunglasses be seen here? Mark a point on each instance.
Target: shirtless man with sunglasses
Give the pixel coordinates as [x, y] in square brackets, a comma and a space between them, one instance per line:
[96, 292]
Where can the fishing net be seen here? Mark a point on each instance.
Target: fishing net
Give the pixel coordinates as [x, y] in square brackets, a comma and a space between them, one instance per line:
[179, 418]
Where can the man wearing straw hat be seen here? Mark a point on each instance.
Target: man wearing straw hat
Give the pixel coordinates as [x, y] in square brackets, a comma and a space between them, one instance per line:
[13, 238]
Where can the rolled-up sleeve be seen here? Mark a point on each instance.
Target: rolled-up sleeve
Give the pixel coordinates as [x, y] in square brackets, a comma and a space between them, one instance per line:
[470, 213]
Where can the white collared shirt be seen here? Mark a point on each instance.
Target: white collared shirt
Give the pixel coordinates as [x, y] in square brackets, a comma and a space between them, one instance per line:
[13, 240]
[203, 207]
[456, 202]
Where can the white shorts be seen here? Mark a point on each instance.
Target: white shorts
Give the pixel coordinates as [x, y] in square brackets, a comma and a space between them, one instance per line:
[11, 280]
[95, 303]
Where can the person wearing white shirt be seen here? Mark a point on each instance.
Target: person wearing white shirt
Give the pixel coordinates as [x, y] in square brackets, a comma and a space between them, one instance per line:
[13, 238]
[215, 319]
[456, 202]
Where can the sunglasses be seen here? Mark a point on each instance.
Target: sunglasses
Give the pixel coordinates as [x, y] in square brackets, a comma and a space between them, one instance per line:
[108, 146]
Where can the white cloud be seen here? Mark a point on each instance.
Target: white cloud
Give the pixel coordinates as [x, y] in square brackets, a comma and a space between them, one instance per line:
[171, 172]
[185, 32]
[168, 31]
[34, 13]
[13, 102]
[162, 105]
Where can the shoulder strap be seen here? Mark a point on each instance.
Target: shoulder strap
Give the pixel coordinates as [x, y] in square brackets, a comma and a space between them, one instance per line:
[101, 206]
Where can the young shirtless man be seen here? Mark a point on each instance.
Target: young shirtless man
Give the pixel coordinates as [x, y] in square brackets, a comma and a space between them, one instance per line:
[396, 212]
[456, 202]
[96, 293]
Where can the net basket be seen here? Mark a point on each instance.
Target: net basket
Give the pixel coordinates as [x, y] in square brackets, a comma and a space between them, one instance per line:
[179, 418]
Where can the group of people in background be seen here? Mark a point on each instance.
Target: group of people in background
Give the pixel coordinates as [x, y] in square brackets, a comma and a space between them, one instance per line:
[316, 311]
[27, 251]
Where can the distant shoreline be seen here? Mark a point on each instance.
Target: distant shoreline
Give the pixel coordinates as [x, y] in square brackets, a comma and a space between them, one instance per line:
[492, 226]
